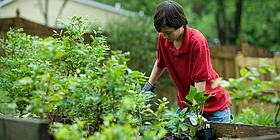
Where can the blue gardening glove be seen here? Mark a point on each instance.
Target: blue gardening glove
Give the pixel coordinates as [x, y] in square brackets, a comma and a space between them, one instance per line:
[148, 87]
[147, 91]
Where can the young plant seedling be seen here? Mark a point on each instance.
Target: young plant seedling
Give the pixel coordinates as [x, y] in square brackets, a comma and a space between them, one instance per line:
[195, 109]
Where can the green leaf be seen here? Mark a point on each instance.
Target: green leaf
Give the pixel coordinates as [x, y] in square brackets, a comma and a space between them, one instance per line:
[192, 131]
[244, 72]
[25, 81]
[183, 127]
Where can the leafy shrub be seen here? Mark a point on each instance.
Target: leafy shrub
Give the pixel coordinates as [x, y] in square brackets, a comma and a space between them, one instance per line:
[129, 122]
[248, 116]
[62, 77]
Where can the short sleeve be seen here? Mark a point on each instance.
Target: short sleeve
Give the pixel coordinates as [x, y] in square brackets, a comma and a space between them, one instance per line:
[160, 58]
[201, 63]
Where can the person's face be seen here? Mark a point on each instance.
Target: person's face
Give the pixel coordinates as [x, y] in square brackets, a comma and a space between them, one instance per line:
[170, 33]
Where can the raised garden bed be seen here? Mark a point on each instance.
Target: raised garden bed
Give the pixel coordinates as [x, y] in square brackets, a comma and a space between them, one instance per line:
[16, 129]
[244, 131]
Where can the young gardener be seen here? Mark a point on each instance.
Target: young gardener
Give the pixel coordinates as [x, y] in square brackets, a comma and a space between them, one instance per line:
[184, 52]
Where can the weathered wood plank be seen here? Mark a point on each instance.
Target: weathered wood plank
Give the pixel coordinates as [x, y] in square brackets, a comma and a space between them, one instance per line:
[253, 51]
[227, 130]
[19, 129]
[268, 137]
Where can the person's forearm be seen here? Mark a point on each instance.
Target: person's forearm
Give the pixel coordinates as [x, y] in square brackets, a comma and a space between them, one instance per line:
[155, 74]
[200, 86]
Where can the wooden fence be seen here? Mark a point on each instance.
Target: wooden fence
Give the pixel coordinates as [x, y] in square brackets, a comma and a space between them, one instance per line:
[228, 60]
[29, 27]
[223, 60]
[241, 62]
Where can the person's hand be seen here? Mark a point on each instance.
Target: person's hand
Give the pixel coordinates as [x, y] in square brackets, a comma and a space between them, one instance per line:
[148, 87]
[147, 92]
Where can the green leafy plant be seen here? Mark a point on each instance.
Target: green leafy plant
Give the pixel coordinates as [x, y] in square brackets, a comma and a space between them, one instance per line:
[136, 119]
[178, 127]
[248, 116]
[126, 123]
[62, 77]
[186, 123]
[250, 86]
[198, 102]
[69, 132]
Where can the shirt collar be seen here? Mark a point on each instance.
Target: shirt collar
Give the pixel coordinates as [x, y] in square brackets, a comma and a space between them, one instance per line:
[185, 43]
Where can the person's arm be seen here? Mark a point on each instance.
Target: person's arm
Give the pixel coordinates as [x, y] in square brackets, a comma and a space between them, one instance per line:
[200, 86]
[155, 74]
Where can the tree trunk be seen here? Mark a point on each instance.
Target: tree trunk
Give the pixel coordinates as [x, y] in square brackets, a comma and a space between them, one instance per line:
[221, 21]
[237, 21]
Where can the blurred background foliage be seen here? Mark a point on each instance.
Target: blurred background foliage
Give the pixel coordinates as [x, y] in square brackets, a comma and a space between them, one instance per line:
[252, 21]
[138, 37]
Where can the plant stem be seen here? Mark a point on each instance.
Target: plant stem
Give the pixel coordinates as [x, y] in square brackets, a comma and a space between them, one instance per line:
[276, 115]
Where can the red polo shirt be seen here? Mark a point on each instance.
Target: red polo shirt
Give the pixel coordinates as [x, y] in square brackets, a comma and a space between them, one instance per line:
[190, 64]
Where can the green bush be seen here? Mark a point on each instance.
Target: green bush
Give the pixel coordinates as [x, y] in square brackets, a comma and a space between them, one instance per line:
[63, 77]
[248, 116]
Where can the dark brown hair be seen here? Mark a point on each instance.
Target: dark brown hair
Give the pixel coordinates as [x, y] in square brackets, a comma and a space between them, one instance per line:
[171, 14]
